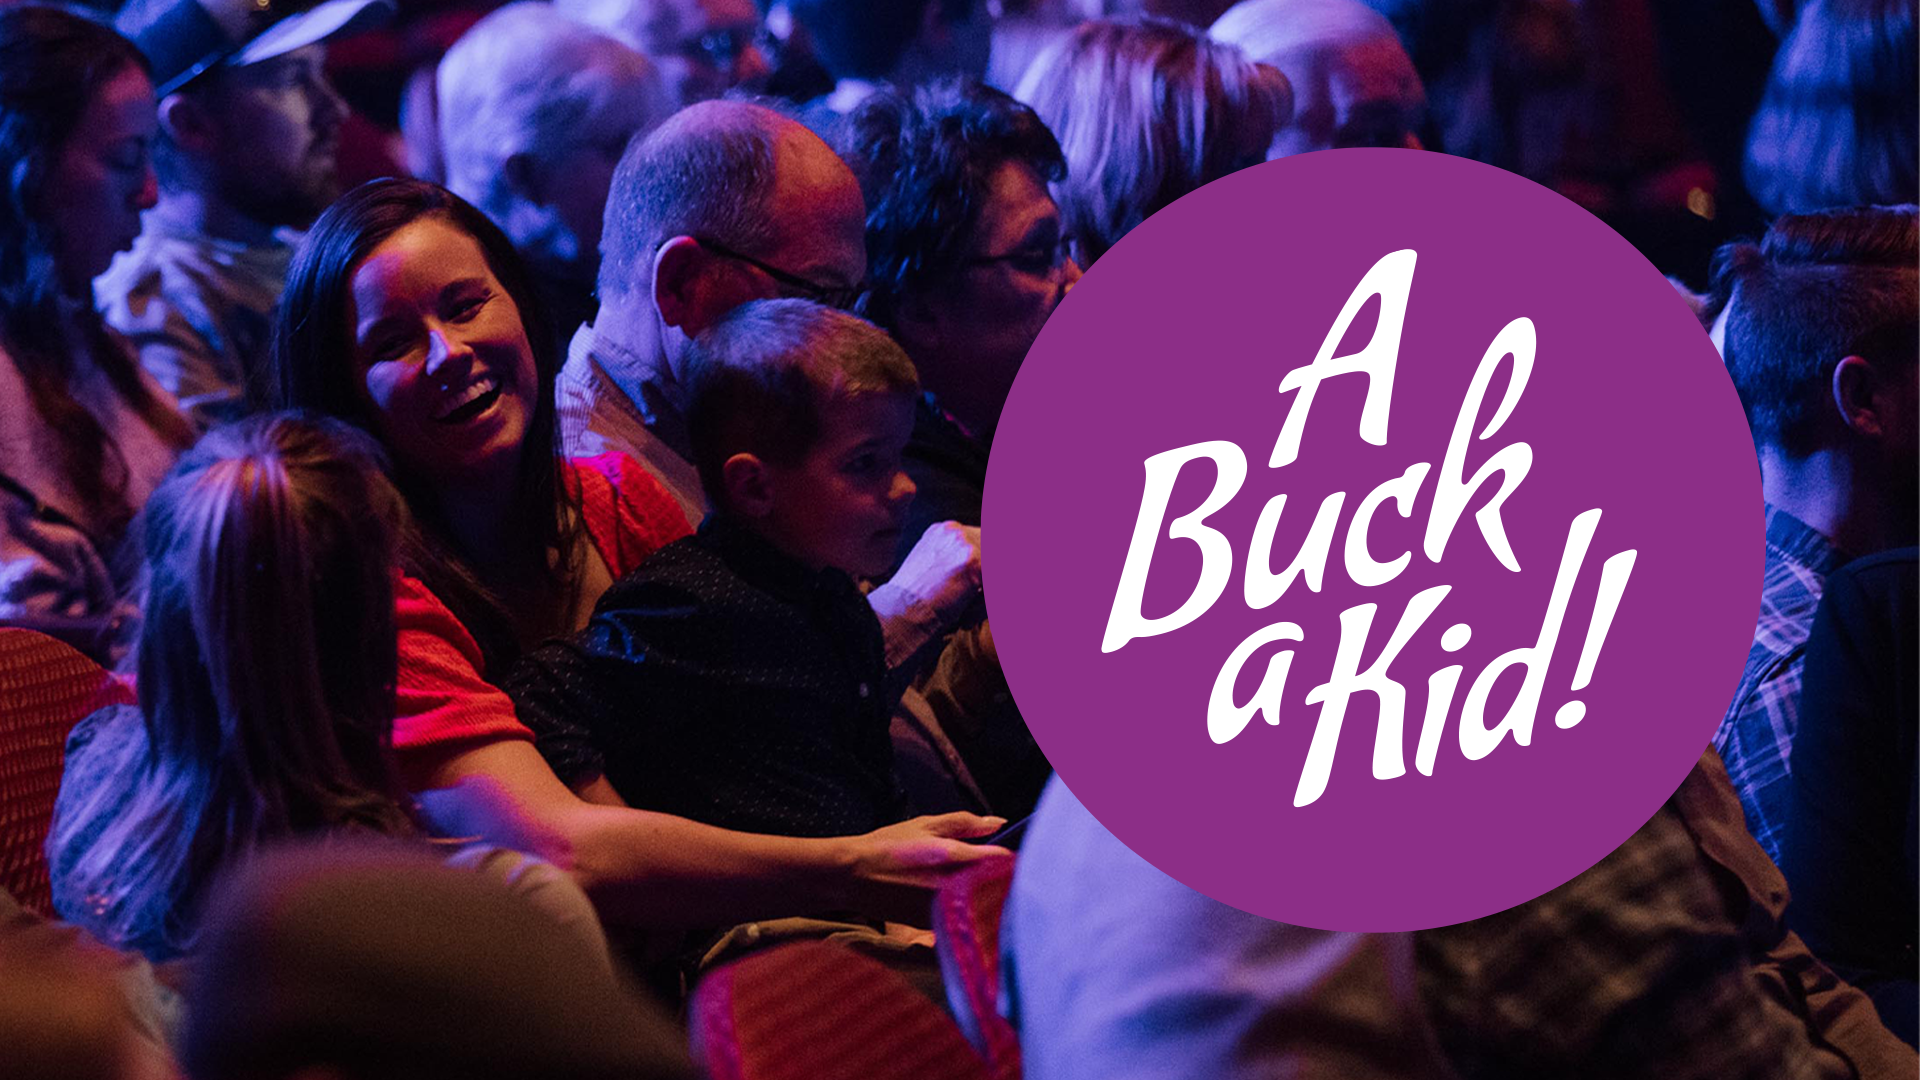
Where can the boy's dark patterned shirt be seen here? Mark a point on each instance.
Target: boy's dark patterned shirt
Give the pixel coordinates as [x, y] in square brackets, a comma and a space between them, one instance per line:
[725, 682]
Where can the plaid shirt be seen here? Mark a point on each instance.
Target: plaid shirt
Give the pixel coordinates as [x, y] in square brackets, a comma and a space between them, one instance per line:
[1756, 737]
[1668, 958]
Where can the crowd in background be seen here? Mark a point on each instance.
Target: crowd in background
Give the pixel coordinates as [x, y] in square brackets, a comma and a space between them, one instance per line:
[537, 451]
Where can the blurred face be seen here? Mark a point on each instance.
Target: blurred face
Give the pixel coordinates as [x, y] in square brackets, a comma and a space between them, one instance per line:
[708, 47]
[279, 126]
[574, 183]
[1347, 94]
[843, 504]
[444, 360]
[101, 179]
[976, 330]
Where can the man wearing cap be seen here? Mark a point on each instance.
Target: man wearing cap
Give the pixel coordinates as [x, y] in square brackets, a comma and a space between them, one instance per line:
[249, 127]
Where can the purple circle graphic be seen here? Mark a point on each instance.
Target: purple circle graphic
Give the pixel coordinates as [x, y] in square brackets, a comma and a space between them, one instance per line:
[1376, 540]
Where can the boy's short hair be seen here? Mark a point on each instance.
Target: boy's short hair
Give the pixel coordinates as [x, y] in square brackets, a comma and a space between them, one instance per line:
[759, 379]
[1817, 288]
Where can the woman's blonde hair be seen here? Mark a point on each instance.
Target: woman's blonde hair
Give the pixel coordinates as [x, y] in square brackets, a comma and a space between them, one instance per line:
[1147, 110]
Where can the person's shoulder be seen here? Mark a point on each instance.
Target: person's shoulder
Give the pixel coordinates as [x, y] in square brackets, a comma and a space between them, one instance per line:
[104, 738]
[1886, 565]
[629, 512]
[174, 269]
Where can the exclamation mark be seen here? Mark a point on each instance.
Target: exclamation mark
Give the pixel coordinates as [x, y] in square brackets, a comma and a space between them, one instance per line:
[1613, 582]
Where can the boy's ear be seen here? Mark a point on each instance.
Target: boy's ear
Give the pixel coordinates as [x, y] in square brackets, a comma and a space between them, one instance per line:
[748, 485]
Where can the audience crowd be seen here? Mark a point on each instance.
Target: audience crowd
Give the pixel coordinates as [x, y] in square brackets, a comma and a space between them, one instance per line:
[526, 462]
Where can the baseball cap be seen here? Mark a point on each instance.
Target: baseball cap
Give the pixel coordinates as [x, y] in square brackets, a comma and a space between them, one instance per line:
[184, 39]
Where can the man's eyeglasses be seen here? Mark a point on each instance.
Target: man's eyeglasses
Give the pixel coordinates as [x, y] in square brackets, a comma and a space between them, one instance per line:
[843, 297]
[1036, 259]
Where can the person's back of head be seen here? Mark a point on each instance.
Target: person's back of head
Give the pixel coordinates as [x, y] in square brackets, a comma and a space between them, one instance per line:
[1818, 289]
[368, 963]
[1146, 111]
[534, 111]
[1353, 83]
[63, 1014]
[1839, 124]
[708, 171]
[267, 664]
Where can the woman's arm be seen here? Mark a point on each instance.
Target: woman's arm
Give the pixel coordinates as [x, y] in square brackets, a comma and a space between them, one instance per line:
[649, 869]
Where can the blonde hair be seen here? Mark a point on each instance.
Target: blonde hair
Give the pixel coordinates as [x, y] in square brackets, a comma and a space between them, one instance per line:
[1147, 110]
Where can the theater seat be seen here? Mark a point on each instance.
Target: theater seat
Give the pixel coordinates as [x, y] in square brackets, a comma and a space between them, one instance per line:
[816, 1011]
[966, 925]
[45, 688]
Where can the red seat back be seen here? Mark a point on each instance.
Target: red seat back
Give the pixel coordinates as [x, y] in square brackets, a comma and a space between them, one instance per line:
[45, 688]
[966, 925]
[816, 1011]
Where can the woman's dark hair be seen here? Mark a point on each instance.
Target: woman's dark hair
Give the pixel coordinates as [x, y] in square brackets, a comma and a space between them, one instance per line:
[267, 664]
[312, 368]
[926, 161]
[53, 64]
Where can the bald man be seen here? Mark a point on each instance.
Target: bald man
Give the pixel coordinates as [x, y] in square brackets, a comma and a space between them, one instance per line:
[1353, 84]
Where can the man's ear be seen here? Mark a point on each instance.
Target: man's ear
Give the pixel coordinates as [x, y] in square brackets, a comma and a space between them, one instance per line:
[692, 288]
[186, 121]
[748, 485]
[1858, 393]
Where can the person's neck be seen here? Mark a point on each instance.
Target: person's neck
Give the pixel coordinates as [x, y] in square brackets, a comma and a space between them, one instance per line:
[480, 513]
[631, 326]
[975, 406]
[753, 527]
[1831, 493]
[196, 213]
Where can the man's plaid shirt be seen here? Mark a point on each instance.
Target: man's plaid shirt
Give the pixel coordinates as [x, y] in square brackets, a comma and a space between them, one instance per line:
[1757, 734]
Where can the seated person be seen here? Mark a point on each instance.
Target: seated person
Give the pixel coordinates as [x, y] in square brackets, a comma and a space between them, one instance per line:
[1850, 852]
[736, 677]
[267, 667]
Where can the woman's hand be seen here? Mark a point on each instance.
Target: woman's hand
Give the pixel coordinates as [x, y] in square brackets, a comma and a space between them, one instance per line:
[893, 871]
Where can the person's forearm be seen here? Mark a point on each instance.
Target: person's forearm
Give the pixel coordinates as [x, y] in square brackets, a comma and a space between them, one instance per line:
[655, 870]
[644, 868]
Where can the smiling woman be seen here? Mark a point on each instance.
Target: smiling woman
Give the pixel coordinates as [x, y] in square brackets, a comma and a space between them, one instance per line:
[408, 314]
[84, 436]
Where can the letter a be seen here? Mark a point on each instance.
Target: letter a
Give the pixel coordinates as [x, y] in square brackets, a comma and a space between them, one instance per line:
[1392, 280]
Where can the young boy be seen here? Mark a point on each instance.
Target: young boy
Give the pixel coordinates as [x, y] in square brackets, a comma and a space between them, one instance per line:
[735, 678]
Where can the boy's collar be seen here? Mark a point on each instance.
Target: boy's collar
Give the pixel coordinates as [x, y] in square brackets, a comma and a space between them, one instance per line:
[761, 562]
